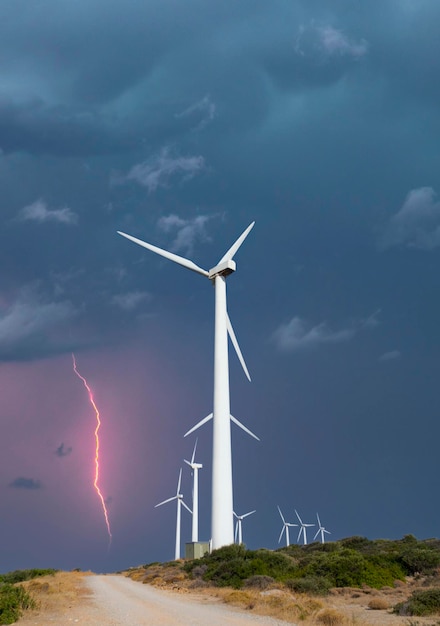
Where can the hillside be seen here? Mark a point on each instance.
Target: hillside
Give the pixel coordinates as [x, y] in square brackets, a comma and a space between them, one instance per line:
[353, 581]
[370, 582]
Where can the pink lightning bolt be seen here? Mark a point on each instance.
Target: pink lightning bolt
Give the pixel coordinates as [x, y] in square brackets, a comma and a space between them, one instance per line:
[98, 426]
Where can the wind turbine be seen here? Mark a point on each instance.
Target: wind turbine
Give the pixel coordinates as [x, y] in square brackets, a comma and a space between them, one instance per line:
[238, 529]
[222, 523]
[180, 502]
[321, 530]
[285, 528]
[303, 528]
[195, 514]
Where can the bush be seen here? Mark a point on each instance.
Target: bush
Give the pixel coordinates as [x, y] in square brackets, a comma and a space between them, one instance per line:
[313, 585]
[20, 575]
[13, 600]
[418, 559]
[378, 604]
[259, 581]
[420, 603]
[330, 617]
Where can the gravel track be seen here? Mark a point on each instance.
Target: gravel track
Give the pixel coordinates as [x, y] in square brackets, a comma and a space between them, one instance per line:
[119, 601]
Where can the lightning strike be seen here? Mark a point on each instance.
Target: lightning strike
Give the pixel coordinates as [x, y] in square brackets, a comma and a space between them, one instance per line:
[98, 426]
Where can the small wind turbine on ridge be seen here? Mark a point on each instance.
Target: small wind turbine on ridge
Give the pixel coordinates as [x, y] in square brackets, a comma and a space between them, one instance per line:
[238, 527]
[180, 503]
[222, 523]
[195, 512]
[285, 528]
[303, 528]
[321, 530]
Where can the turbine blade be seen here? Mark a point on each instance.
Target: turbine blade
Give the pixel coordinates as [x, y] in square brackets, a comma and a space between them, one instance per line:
[168, 255]
[298, 516]
[319, 530]
[299, 534]
[179, 481]
[319, 521]
[203, 421]
[235, 246]
[187, 462]
[237, 347]
[165, 501]
[194, 451]
[250, 513]
[282, 517]
[186, 506]
[246, 430]
[281, 533]
[326, 531]
[236, 532]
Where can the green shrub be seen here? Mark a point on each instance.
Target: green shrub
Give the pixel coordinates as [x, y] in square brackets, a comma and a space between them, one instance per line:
[314, 585]
[420, 559]
[351, 562]
[420, 603]
[20, 575]
[259, 581]
[13, 600]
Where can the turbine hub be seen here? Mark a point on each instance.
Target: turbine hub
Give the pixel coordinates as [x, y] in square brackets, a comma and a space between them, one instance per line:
[223, 269]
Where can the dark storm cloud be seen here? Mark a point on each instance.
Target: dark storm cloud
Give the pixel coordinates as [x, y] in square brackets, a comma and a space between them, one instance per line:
[26, 483]
[38, 128]
[63, 450]
[32, 326]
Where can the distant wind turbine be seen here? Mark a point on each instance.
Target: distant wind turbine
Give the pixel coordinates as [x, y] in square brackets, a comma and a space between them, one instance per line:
[195, 513]
[303, 528]
[321, 530]
[238, 528]
[180, 502]
[222, 523]
[285, 528]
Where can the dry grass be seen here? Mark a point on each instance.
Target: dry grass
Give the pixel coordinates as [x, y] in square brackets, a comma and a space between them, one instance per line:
[330, 617]
[378, 604]
[57, 593]
[275, 603]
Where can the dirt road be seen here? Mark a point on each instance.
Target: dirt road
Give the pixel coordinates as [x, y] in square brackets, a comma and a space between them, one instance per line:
[119, 601]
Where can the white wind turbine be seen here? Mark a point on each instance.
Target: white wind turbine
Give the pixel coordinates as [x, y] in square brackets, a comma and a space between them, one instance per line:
[180, 502]
[303, 529]
[238, 528]
[321, 530]
[195, 514]
[222, 524]
[285, 528]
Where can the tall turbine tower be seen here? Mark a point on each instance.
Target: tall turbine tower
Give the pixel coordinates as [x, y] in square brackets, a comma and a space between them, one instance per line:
[180, 502]
[222, 524]
[195, 514]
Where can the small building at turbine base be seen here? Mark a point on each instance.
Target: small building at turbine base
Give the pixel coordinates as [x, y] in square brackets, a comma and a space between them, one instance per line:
[196, 549]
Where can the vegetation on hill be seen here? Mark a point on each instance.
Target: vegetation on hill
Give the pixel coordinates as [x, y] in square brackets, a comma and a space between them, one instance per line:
[315, 568]
[14, 599]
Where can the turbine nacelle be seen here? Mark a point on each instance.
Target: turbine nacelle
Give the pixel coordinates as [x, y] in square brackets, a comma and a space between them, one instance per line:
[223, 269]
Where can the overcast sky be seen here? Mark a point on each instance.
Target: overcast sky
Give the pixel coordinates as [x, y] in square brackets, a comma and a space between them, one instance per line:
[180, 123]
